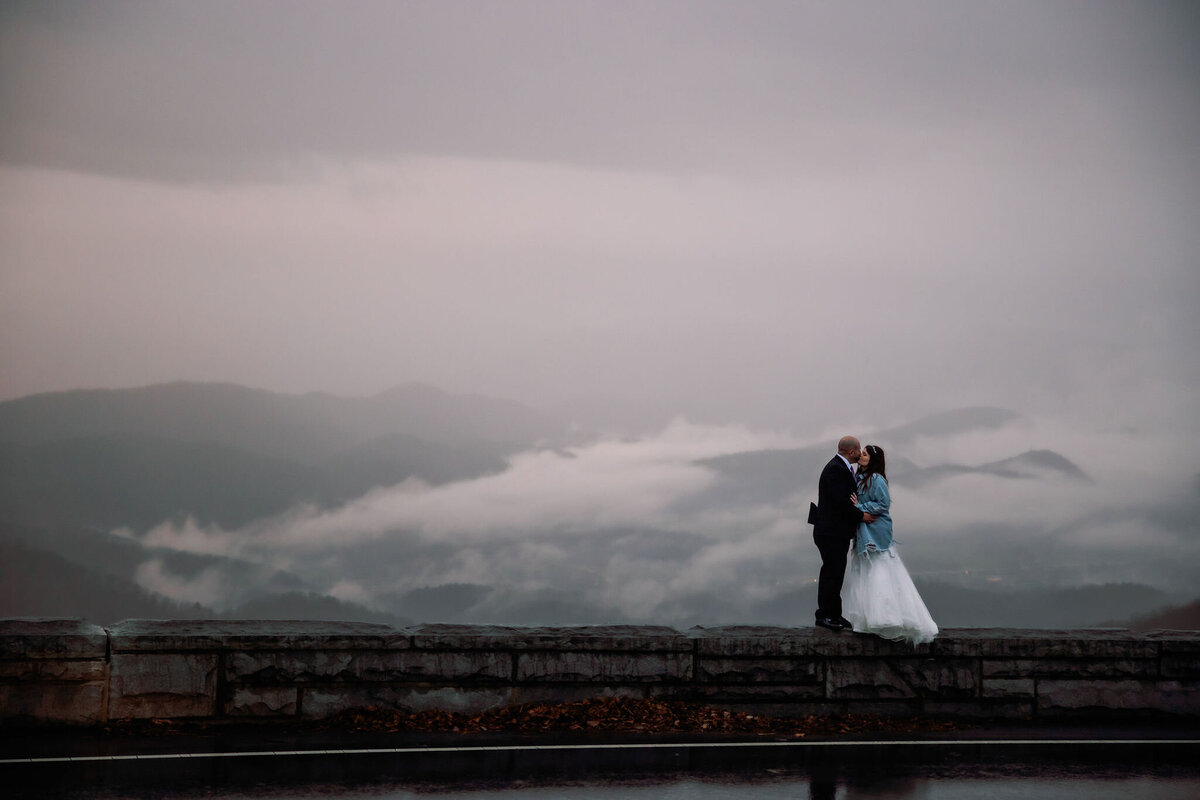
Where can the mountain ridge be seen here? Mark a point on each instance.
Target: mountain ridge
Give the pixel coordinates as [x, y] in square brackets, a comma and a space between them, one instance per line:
[302, 427]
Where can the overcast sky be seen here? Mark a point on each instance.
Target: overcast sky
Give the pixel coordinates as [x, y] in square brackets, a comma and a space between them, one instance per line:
[771, 212]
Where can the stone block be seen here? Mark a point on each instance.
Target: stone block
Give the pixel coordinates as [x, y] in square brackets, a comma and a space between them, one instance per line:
[319, 702]
[73, 670]
[1008, 687]
[642, 638]
[294, 667]
[23, 670]
[1117, 695]
[565, 693]
[263, 701]
[1170, 641]
[403, 665]
[1007, 667]
[1180, 653]
[888, 678]
[63, 703]
[1180, 665]
[763, 641]
[434, 666]
[758, 670]
[1099, 643]
[51, 670]
[1179, 697]
[1099, 697]
[1070, 668]
[181, 636]
[607, 638]
[38, 637]
[618, 668]
[464, 637]
[756, 641]
[163, 685]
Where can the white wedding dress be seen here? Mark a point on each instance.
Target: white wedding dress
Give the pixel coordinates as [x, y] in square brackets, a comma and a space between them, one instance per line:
[879, 597]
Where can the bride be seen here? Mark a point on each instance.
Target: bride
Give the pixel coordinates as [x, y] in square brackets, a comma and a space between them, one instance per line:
[879, 595]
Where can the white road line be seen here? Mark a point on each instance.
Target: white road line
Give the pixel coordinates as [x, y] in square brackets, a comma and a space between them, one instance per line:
[580, 747]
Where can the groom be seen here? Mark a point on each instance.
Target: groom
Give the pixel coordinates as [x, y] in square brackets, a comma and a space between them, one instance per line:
[834, 522]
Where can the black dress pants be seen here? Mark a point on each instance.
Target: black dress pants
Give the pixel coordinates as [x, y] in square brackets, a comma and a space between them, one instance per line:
[834, 550]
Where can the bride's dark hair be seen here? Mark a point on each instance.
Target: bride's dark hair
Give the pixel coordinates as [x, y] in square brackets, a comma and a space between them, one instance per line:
[876, 466]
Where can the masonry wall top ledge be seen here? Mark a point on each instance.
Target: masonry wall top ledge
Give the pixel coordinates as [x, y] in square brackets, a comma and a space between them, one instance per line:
[45, 638]
[74, 638]
[147, 635]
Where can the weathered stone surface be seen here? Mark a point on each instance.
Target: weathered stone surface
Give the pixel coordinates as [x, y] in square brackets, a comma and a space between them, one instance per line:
[319, 702]
[1070, 668]
[437, 666]
[1179, 697]
[263, 701]
[1180, 652]
[1181, 665]
[754, 640]
[642, 638]
[23, 670]
[1007, 667]
[463, 637]
[882, 678]
[639, 638]
[555, 665]
[758, 670]
[402, 665]
[291, 667]
[45, 637]
[1008, 687]
[53, 670]
[64, 703]
[73, 670]
[1074, 695]
[149, 635]
[1014, 643]
[163, 685]
[1176, 641]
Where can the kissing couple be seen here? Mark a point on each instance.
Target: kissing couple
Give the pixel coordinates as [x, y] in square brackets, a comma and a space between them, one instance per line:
[854, 508]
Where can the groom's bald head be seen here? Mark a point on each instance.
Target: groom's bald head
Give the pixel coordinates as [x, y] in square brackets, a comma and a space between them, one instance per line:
[849, 446]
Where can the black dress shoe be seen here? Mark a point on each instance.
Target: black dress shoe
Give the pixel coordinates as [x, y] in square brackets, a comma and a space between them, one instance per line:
[831, 624]
[845, 623]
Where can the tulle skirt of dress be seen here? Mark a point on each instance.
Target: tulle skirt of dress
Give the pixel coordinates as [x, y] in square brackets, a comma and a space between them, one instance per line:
[879, 598]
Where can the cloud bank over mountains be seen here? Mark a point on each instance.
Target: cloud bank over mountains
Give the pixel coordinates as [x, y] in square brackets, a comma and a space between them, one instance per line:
[690, 523]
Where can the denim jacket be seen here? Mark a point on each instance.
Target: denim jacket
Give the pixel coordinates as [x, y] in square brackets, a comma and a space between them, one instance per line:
[874, 498]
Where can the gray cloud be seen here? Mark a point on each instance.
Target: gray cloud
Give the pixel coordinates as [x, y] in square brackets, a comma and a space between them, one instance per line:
[180, 90]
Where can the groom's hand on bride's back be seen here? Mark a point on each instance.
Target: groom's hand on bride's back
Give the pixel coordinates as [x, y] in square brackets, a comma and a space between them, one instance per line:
[869, 517]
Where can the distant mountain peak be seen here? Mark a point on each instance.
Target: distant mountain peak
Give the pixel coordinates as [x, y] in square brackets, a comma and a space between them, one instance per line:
[1042, 461]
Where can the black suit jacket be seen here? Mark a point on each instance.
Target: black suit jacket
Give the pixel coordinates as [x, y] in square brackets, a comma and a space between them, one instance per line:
[836, 516]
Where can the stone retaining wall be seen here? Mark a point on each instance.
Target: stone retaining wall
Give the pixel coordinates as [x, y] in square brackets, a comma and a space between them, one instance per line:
[72, 672]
